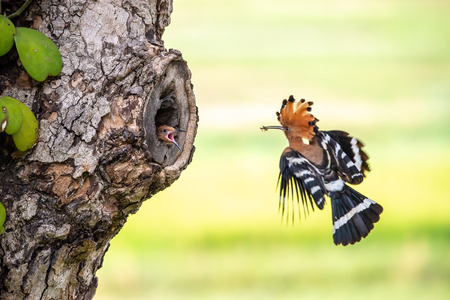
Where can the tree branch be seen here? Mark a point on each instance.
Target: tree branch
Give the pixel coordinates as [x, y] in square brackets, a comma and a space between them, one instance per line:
[20, 10]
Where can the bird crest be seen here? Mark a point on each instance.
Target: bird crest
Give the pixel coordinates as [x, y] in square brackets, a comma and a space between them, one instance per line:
[296, 116]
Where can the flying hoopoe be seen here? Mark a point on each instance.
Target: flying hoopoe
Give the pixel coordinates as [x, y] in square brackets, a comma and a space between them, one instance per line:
[319, 163]
[166, 134]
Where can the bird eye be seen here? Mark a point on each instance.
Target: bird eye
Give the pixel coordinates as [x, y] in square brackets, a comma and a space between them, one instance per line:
[286, 128]
[164, 130]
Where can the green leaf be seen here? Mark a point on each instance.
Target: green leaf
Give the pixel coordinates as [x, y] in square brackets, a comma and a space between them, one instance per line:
[39, 55]
[11, 115]
[2, 218]
[27, 135]
[7, 31]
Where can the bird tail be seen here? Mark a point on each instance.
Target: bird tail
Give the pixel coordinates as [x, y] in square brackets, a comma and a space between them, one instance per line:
[353, 214]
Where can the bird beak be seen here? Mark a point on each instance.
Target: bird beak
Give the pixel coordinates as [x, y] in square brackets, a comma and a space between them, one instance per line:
[173, 141]
[171, 138]
[265, 128]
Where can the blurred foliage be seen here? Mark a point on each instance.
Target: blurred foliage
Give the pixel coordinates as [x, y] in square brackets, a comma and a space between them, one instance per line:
[2, 218]
[377, 69]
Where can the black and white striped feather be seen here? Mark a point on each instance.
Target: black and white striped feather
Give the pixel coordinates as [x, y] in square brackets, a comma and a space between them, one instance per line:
[353, 214]
[299, 178]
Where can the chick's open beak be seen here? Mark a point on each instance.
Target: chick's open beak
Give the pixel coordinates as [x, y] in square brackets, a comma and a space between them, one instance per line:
[170, 136]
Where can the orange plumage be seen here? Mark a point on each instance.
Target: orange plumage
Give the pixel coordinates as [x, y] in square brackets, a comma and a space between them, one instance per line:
[321, 163]
[296, 117]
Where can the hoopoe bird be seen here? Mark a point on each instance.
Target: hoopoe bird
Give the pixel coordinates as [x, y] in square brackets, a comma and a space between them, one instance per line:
[319, 163]
[166, 134]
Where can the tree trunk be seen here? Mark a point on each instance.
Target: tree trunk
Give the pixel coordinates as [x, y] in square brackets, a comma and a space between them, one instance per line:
[97, 156]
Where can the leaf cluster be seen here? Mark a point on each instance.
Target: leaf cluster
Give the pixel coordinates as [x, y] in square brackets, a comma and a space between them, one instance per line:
[39, 55]
[19, 121]
[41, 58]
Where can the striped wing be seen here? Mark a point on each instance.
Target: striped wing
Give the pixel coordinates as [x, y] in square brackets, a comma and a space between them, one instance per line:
[299, 179]
[350, 158]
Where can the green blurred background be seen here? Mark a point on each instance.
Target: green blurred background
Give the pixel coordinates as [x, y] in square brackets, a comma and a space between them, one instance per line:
[377, 69]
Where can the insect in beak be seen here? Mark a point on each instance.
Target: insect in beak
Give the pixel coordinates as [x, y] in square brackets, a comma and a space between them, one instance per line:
[265, 128]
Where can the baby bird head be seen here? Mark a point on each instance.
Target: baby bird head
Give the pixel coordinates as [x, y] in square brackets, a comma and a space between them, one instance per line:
[166, 134]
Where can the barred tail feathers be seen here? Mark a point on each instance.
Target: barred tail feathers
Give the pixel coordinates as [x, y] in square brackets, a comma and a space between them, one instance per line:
[353, 215]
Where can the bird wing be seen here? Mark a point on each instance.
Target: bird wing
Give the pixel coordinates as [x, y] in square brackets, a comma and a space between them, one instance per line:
[300, 175]
[350, 159]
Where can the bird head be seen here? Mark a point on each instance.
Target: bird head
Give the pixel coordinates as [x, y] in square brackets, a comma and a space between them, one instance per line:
[296, 120]
[166, 134]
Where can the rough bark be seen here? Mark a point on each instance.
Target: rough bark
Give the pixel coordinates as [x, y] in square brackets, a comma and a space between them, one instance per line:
[97, 157]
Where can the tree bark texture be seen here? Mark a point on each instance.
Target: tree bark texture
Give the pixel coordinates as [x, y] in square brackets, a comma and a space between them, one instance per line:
[97, 156]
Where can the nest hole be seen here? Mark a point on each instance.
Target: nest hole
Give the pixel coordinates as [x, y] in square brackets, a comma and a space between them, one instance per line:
[167, 105]
[168, 113]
